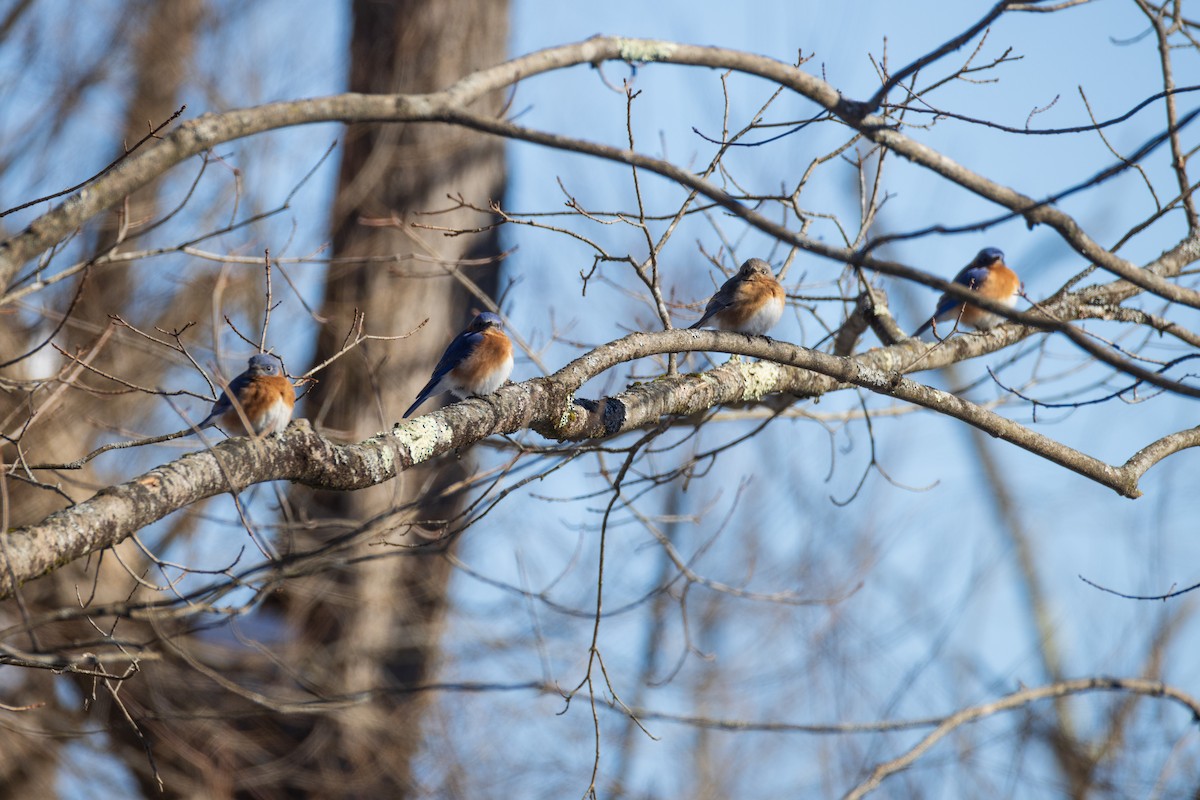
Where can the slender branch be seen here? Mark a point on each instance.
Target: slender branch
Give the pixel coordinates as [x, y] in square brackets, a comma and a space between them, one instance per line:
[153, 134]
[1019, 699]
[1178, 159]
[451, 105]
[942, 50]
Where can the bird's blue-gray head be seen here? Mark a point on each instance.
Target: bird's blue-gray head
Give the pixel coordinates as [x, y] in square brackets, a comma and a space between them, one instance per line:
[265, 364]
[989, 255]
[756, 266]
[485, 320]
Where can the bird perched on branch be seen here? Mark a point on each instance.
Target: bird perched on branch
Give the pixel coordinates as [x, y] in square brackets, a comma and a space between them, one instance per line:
[477, 362]
[261, 398]
[989, 277]
[750, 302]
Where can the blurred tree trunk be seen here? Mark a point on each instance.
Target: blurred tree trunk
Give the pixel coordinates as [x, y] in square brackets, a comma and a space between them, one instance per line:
[372, 627]
[369, 625]
[160, 51]
[377, 624]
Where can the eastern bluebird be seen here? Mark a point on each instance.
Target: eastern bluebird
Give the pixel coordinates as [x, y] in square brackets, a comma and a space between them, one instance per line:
[477, 362]
[990, 277]
[262, 394]
[750, 302]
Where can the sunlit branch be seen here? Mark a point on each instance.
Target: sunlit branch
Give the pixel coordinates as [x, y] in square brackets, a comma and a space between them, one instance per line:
[452, 106]
[546, 405]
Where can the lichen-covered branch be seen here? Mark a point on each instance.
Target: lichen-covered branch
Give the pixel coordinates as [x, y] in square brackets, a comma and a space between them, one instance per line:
[548, 406]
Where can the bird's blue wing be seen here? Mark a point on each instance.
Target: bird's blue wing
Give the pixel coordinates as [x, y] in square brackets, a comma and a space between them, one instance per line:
[459, 349]
[718, 303]
[972, 276]
[223, 404]
[969, 276]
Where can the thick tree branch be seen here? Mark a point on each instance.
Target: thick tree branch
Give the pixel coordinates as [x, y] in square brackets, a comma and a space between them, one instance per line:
[548, 406]
[1170, 262]
[453, 104]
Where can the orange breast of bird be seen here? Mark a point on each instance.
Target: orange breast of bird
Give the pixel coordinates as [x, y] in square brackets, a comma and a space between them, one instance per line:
[493, 349]
[272, 388]
[257, 398]
[750, 298]
[1002, 285]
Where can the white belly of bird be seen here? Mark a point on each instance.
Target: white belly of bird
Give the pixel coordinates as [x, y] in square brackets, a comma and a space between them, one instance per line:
[764, 319]
[496, 379]
[275, 419]
[986, 319]
[488, 384]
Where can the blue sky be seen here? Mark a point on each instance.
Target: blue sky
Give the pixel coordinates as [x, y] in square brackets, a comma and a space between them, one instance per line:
[939, 562]
[937, 619]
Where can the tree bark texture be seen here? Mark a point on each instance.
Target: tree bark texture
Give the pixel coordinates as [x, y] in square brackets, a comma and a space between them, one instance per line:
[376, 623]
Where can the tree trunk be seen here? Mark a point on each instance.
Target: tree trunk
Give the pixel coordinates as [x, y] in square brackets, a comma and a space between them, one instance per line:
[368, 625]
[376, 624]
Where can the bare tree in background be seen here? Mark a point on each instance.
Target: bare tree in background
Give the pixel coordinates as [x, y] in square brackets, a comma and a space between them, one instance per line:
[159, 49]
[355, 629]
[313, 659]
[377, 623]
